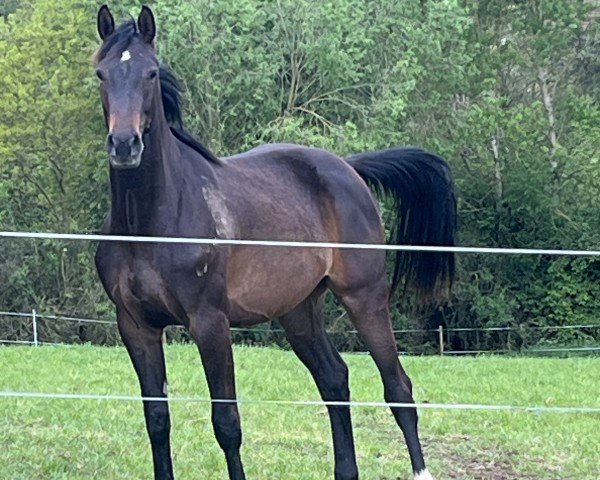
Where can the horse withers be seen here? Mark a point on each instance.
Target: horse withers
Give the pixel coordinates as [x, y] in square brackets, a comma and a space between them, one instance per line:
[164, 182]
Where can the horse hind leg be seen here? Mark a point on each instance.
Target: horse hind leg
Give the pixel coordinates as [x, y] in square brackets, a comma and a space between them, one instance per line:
[369, 312]
[306, 333]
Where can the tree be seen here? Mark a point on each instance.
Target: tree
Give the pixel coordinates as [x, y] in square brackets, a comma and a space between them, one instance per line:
[50, 156]
[507, 91]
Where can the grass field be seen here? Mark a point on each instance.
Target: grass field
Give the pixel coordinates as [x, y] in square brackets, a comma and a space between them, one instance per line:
[83, 439]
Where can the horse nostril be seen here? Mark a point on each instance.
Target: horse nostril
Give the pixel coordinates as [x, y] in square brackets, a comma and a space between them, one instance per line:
[127, 145]
[135, 144]
[110, 144]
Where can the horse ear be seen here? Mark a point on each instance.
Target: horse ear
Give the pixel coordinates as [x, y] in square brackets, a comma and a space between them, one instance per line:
[146, 24]
[106, 22]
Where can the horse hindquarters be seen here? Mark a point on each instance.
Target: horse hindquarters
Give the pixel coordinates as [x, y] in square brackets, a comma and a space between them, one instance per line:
[422, 189]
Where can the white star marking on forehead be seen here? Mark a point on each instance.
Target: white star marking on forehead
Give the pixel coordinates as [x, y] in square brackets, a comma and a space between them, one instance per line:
[126, 56]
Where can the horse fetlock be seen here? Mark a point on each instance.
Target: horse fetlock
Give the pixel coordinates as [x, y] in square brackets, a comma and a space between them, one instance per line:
[346, 471]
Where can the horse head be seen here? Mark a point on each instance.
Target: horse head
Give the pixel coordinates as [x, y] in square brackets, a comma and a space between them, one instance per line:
[128, 69]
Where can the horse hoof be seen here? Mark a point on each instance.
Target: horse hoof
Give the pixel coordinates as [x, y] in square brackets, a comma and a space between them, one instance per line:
[423, 475]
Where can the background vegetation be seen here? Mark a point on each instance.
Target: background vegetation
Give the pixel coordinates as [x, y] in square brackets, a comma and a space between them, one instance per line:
[507, 91]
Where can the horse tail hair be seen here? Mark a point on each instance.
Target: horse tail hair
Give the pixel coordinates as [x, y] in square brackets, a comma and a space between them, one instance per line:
[421, 188]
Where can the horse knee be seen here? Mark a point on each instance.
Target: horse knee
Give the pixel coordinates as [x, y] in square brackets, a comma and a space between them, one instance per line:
[158, 422]
[226, 424]
[341, 381]
[335, 383]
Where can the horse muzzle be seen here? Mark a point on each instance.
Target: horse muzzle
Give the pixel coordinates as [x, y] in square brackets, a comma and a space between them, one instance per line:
[125, 151]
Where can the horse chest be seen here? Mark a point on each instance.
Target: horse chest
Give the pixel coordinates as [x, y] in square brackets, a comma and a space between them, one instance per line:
[141, 288]
[143, 282]
[156, 281]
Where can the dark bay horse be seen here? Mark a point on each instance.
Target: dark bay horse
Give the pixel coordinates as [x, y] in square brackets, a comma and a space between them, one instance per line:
[165, 183]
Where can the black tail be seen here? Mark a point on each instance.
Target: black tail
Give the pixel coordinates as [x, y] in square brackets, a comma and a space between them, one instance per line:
[422, 189]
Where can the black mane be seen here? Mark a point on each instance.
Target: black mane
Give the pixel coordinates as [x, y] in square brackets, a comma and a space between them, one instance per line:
[171, 98]
[170, 86]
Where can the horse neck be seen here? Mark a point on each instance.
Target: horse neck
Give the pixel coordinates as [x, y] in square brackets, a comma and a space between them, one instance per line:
[138, 196]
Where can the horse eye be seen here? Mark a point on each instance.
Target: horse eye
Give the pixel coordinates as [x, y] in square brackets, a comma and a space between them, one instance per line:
[152, 75]
[100, 75]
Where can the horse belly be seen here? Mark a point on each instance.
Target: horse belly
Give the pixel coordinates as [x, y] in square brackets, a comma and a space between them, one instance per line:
[271, 281]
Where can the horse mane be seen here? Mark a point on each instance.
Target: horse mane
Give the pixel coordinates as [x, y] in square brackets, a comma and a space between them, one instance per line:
[170, 86]
[171, 98]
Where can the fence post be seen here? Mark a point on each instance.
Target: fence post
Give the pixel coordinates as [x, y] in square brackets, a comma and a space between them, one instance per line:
[441, 339]
[35, 332]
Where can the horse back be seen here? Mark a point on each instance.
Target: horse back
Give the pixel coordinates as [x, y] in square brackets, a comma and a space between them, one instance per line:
[309, 193]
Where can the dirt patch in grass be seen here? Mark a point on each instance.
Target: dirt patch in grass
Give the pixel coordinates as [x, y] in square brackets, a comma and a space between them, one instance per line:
[463, 459]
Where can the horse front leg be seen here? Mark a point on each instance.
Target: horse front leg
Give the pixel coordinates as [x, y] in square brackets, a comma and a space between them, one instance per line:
[144, 345]
[212, 335]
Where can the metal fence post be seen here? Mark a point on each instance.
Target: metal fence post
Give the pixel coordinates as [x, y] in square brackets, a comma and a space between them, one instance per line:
[35, 332]
[441, 339]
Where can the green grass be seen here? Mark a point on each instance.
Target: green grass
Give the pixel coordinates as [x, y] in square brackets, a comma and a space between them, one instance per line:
[83, 439]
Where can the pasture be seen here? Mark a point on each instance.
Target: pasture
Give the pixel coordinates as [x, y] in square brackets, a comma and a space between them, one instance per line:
[83, 439]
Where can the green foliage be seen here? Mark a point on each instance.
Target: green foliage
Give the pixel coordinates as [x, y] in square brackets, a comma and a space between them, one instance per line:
[9, 6]
[51, 161]
[507, 91]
